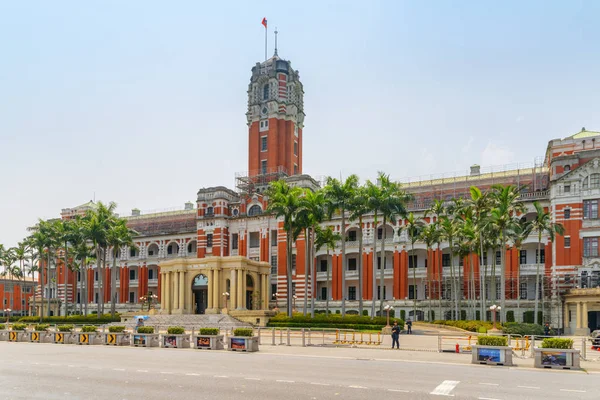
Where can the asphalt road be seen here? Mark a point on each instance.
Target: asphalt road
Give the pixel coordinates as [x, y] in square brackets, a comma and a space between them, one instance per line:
[49, 371]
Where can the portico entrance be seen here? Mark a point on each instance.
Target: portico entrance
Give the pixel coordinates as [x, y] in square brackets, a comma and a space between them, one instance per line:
[200, 290]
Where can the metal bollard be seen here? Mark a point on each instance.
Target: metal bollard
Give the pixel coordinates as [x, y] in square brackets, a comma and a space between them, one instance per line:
[439, 343]
[309, 337]
[258, 334]
[288, 337]
[280, 336]
[273, 343]
[303, 339]
[532, 345]
[583, 349]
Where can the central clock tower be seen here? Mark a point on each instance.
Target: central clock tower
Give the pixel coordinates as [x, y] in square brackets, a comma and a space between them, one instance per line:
[275, 121]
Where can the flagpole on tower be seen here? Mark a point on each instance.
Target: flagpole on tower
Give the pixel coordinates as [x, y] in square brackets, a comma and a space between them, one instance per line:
[264, 22]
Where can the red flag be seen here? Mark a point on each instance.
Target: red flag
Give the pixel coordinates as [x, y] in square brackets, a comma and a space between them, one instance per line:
[264, 22]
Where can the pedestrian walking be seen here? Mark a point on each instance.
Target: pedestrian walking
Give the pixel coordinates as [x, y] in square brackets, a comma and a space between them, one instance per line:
[409, 327]
[140, 322]
[546, 329]
[395, 335]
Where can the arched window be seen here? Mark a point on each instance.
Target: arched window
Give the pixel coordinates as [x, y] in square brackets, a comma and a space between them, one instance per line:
[567, 168]
[266, 92]
[585, 183]
[254, 210]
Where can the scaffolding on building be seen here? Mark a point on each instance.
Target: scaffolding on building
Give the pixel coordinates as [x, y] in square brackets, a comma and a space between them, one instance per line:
[163, 223]
[257, 181]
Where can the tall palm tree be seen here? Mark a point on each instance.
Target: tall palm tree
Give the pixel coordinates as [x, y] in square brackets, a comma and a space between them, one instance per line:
[507, 207]
[541, 224]
[118, 237]
[373, 197]
[64, 232]
[414, 228]
[358, 208]
[43, 239]
[339, 194]
[21, 255]
[449, 228]
[429, 235]
[520, 232]
[392, 205]
[313, 210]
[284, 201]
[328, 238]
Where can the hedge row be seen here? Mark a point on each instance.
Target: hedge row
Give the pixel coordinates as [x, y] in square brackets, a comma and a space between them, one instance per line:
[492, 341]
[363, 327]
[471, 326]
[557, 343]
[334, 319]
[73, 319]
[518, 328]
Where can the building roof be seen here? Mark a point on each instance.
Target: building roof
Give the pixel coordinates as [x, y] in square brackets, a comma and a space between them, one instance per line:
[584, 134]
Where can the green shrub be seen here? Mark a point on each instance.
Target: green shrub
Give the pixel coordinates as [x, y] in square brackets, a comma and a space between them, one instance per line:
[116, 329]
[19, 327]
[492, 341]
[89, 328]
[510, 316]
[557, 343]
[243, 332]
[431, 315]
[176, 330]
[471, 326]
[478, 315]
[402, 315]
[73, 319]
[482, 329]
[528, 317]
[2, 327]
[519, 328]
[337, 311]
[365, 313]
[42, 327]
[65, 328]
[463, 315]
[146, 329]
[209, 331]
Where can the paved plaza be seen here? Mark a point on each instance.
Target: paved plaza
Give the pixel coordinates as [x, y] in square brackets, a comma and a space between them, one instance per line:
[94, 372]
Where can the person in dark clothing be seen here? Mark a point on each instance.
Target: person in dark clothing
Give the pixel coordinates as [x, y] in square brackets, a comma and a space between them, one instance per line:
[546, 329]
[395, 335]
[409, 327]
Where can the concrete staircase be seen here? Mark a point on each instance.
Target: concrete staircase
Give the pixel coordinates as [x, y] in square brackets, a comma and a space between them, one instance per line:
[189, 322]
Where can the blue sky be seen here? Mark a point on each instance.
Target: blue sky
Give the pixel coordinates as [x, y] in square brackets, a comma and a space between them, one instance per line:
[143, 102]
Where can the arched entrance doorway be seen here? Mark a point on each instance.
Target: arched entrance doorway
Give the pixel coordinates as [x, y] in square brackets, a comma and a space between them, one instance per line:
[249, 292]
[200, 290]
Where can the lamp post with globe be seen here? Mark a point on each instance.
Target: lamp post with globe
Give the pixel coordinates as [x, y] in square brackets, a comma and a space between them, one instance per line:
[494, 308]
[388, 308]
[226, 296]
[7, 311]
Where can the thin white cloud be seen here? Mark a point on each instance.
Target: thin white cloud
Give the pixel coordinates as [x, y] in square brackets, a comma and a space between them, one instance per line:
[496, 154]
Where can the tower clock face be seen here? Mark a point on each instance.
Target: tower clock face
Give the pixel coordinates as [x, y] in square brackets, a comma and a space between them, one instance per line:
[263, 111]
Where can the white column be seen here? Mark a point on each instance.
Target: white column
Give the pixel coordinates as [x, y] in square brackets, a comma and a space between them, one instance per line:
[209, 287]
[233, 289]
[182, 290]
[176, 291]
[162, 291]
[216, 289]
[584, 315]
[167, 286]
[578, 315]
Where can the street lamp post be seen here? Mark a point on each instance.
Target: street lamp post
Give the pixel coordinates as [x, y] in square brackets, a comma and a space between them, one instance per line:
[7, 312]
[388, 308]
[226, 296]
[294, 297]
[494, 308]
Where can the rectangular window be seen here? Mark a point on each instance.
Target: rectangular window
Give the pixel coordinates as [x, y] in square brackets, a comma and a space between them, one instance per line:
[132, 274]
[498, 258]
[96, 276]
[131, 297]
[78, 297]
[445, 260]
[484, 261]
[273, 291]
[590, 209]
[293, 264]
[150, 274]
[254, 240]
[131, 252]
[594, 180]
[412, 261]
[498, 290]
[323, 293]
[379, 293]
[540, 259]
[523, 257]
[412, 292]
[234, 241]
[590, 247]
[274, 265]
[523, 291]
[461, 261]
[567, 241]
[352, 236]
[295, 169]
[323, 266]
[293, 288]
[379, 233]
[567, 213]
[263, 167]
[426, 292]
[209, 240]
[78, 276]
[264, 125]
[351, 292]
[352, 264]
[263, 143]
[567, 188]
[273, 238]
[295, 148]
[150, 252]
[96, 299]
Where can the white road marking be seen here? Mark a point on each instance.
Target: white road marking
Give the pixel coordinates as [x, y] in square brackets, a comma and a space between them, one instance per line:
[572, 390]
[489, 384]
[284, 381]
[118, 369]
[487, 398]
[221, 376]
[319, 383]
[192, 374]
[252, 379]
[445, 388]
[357, 387]
[167, 372]
[142, 370]
[529, 387]
[399, 390]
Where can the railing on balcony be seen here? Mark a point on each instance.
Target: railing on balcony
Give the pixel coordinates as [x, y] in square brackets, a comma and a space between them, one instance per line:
[541, 194]
[133, 282]
[234, 252]
[153, 282]
[531, 268]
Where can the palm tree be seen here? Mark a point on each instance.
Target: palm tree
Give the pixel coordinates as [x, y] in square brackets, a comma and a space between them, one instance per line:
[392, 205]
[449, 228]
[97, 225]
[429, 235]
[504, 214]
[519, 233]
[313, 209]
[328, 238]
[284, 201]
[64, 232]
[20, 253]
[414, 228]
[541, 224]
[118, 236]
[358, 208]
[339, 194]
[373, 199]
[43, 239]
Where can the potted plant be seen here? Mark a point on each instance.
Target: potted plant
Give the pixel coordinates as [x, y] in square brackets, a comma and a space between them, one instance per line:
[556, 353]
[242, 340]
[39, 333]
[3, 332]
[176, 338]
[116, 336]
[63, 334]
[88, 335]
[209, 339]
[18, 333]
[145, 337]
[492, 350]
